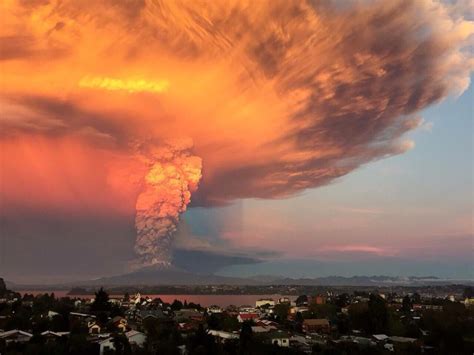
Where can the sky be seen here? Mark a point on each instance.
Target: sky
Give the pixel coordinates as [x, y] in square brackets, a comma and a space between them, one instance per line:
[314, 138]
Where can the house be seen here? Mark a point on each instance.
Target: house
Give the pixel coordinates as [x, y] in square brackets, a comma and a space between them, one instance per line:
[136, 337]
[49, 335]
[106, 344]
[247, 309]
[317, 325]
[380, 337]
[222, 335]
[94, 327]
[214, 309]
[15, 336]
[280, 338]
[260, 329]
[264, 302]
[83, 317]
[188, 326]
[246, 317]
[397, 339]
[186, 315]
[264, 326]
[298, 309]
[52, 314]
[156, 314]
[120, 323]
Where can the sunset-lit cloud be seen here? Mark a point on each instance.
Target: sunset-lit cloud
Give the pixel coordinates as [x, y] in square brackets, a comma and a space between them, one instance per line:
[276, 96]
[130, 85]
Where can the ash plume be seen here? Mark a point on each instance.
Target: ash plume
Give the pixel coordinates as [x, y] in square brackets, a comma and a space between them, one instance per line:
[174, 173]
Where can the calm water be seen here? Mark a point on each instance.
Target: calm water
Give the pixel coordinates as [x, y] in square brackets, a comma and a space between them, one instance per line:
[203, 300]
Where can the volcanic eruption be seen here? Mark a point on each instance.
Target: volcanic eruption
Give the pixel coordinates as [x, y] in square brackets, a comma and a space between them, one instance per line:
[174, 173]
[276, 97]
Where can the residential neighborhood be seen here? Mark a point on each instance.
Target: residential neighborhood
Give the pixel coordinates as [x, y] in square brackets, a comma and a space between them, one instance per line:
[357, 323]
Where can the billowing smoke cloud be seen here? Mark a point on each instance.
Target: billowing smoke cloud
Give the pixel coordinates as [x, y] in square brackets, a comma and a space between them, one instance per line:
[173, 174]
[278, 96]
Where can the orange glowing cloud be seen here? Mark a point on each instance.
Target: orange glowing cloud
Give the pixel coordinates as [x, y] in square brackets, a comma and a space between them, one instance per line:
[131, 85]
[277, 96]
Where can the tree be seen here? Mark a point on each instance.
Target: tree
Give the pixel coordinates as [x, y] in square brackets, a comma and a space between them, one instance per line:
[302, 300]
[377, 315]
[416, 298]
[342, 300]
[406, 304]
[281, 311]
[176, 305]
[246, 336]
[101, 302]
[126, 297]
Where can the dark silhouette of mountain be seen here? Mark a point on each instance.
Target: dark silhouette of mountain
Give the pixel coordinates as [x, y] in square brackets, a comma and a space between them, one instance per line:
[172, 275]
[153, 276]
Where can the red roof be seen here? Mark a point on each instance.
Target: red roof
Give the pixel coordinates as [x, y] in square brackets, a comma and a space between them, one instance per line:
[248, 315]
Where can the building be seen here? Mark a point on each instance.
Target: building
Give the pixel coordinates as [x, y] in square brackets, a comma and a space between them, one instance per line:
[49, 335]
[106, 344]
[214, 309]
[15, 336]
[136, 338]
[298, 309]
[317, 325]
[120, 323]
[156, 314]
[222, 335]
[264, 302]
[245, 317]
[94, 327]
[280, 338]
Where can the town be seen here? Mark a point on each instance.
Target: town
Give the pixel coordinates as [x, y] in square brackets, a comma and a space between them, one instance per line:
[330, 322]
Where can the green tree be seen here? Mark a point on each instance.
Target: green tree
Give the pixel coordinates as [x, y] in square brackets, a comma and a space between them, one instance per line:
[407, 304]
[281, 311]
[377, 315]
[246, 337]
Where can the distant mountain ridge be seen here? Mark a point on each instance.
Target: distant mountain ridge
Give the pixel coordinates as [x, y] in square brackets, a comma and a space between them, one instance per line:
[175, 276]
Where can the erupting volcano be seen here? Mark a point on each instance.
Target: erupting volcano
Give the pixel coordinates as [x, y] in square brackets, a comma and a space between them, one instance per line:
[276, 97]
[173, 175]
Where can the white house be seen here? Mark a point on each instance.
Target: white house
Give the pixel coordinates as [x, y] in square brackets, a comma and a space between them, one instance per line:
[52, 314]
[280, 338]
[106, 344]
[222, 335]
[16, 336]
[136, 337]
[214, 309]
[50, 334]
[94, 327]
